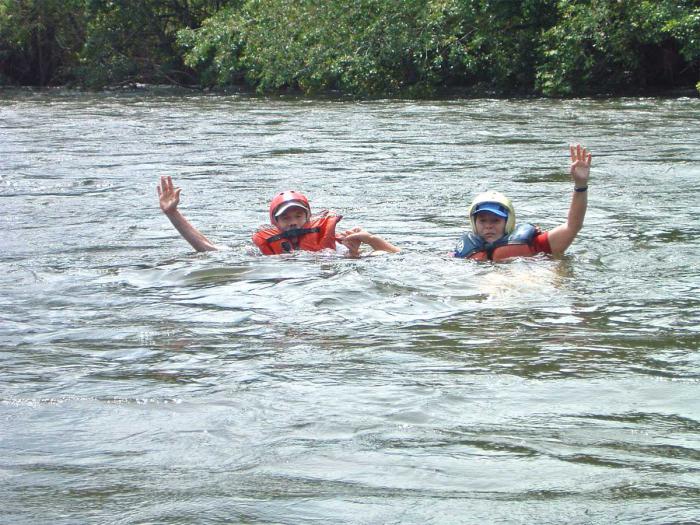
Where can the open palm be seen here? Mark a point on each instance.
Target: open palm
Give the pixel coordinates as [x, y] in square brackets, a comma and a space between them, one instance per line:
[168, 195]
[580, 165]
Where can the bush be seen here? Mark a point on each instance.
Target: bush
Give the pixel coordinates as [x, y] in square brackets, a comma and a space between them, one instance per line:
[39, 40]
[602, 47]
[213, 50]
[363, 48]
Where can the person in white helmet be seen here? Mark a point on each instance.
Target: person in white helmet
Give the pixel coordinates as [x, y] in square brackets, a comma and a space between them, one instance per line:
[495, 236]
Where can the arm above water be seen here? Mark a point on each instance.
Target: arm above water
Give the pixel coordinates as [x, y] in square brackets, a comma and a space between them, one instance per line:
[169, 197]
[355, 237]
[561, 237]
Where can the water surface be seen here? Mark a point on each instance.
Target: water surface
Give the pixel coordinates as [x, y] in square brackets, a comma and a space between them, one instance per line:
[144, 383]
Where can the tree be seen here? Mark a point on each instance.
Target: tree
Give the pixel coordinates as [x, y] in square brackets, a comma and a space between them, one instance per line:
[610, 47]
[39, 40]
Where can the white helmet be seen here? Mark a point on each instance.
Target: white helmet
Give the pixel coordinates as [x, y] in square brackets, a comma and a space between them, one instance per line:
[493, 202]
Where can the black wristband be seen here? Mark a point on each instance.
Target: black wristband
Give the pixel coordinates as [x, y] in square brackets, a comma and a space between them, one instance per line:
[581, 189]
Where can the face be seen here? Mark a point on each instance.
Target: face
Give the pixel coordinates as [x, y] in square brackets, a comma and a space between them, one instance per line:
[490, 226]
[294, 217]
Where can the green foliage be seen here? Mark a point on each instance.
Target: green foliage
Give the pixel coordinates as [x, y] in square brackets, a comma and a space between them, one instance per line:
[39, 40]
[370, 47]
[493, 43]
[135, 40]
[363, 48]
[213, 50]
[95, 42]
[599, 46]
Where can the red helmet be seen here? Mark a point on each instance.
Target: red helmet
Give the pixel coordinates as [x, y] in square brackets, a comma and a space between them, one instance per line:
[285, 200]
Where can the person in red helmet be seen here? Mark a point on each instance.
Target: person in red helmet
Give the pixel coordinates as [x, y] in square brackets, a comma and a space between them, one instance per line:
[292, 227]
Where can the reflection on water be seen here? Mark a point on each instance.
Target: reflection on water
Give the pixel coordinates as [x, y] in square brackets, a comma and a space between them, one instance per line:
[144, 383]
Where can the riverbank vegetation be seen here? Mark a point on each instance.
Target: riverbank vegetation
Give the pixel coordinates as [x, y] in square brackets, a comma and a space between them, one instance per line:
[360, 48]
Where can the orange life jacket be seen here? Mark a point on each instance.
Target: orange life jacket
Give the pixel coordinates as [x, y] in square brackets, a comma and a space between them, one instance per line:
[315, 235]
[516, 244]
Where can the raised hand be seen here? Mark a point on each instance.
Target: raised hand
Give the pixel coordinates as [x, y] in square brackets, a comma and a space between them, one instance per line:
[168, 195]
[561, 237]
[580, 165]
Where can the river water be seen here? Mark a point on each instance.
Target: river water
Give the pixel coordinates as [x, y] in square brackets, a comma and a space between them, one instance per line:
[143, 383]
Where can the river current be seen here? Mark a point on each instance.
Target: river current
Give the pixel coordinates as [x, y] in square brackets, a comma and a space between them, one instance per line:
[143, 383]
